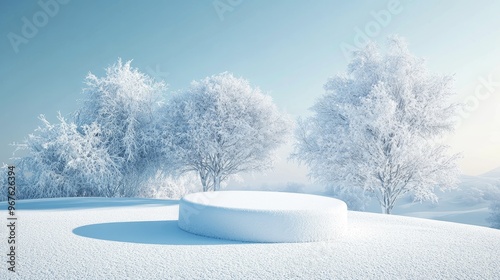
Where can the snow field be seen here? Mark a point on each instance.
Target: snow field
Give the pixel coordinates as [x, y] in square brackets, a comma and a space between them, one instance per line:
[256, 216]
[99, 238]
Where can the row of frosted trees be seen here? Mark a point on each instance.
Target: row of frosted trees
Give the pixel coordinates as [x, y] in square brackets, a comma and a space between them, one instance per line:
[375, 131]
[128, 137]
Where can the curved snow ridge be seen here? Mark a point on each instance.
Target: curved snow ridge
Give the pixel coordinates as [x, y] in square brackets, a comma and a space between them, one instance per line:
[257, 216]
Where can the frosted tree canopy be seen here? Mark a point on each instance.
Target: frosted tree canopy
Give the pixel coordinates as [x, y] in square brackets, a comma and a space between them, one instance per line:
[221, 126]
[378, 125]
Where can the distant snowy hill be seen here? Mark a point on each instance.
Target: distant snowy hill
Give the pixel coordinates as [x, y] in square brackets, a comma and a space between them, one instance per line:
[126, 238]
[494, 173]
[467, 204]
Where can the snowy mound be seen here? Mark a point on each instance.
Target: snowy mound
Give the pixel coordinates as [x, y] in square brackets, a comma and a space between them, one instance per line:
[263, 216]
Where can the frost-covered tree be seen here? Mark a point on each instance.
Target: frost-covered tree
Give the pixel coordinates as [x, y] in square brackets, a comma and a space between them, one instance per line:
[378, 127]
[166, 185]
[111, 142]
[64, 160]
[124, 105]
[221, 126]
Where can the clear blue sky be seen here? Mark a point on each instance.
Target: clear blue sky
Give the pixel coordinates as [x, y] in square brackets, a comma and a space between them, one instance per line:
[287, 48]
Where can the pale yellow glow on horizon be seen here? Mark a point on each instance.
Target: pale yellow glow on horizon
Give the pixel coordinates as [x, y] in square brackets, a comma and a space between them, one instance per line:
[478, 137]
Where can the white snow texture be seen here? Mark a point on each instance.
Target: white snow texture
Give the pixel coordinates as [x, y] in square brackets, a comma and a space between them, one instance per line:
[131, 238]
[263, 216]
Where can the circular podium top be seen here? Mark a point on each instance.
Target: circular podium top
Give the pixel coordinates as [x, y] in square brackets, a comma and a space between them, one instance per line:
[262, 200]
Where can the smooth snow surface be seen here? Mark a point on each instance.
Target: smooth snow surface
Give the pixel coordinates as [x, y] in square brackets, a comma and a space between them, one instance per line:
[258, 216]
[98, 238]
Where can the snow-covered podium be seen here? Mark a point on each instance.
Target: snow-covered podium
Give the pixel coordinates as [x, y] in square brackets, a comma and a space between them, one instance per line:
[258, 216]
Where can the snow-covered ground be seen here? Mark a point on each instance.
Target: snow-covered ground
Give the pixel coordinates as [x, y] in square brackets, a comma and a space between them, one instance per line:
[99, 238]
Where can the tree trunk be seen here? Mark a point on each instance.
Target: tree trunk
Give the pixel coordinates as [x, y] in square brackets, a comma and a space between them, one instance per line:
[204, 181]
[387, 208]
[386, 204]
[216, 182]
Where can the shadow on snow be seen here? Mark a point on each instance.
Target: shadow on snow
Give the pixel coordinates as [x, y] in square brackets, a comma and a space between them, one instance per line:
[147, 232]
